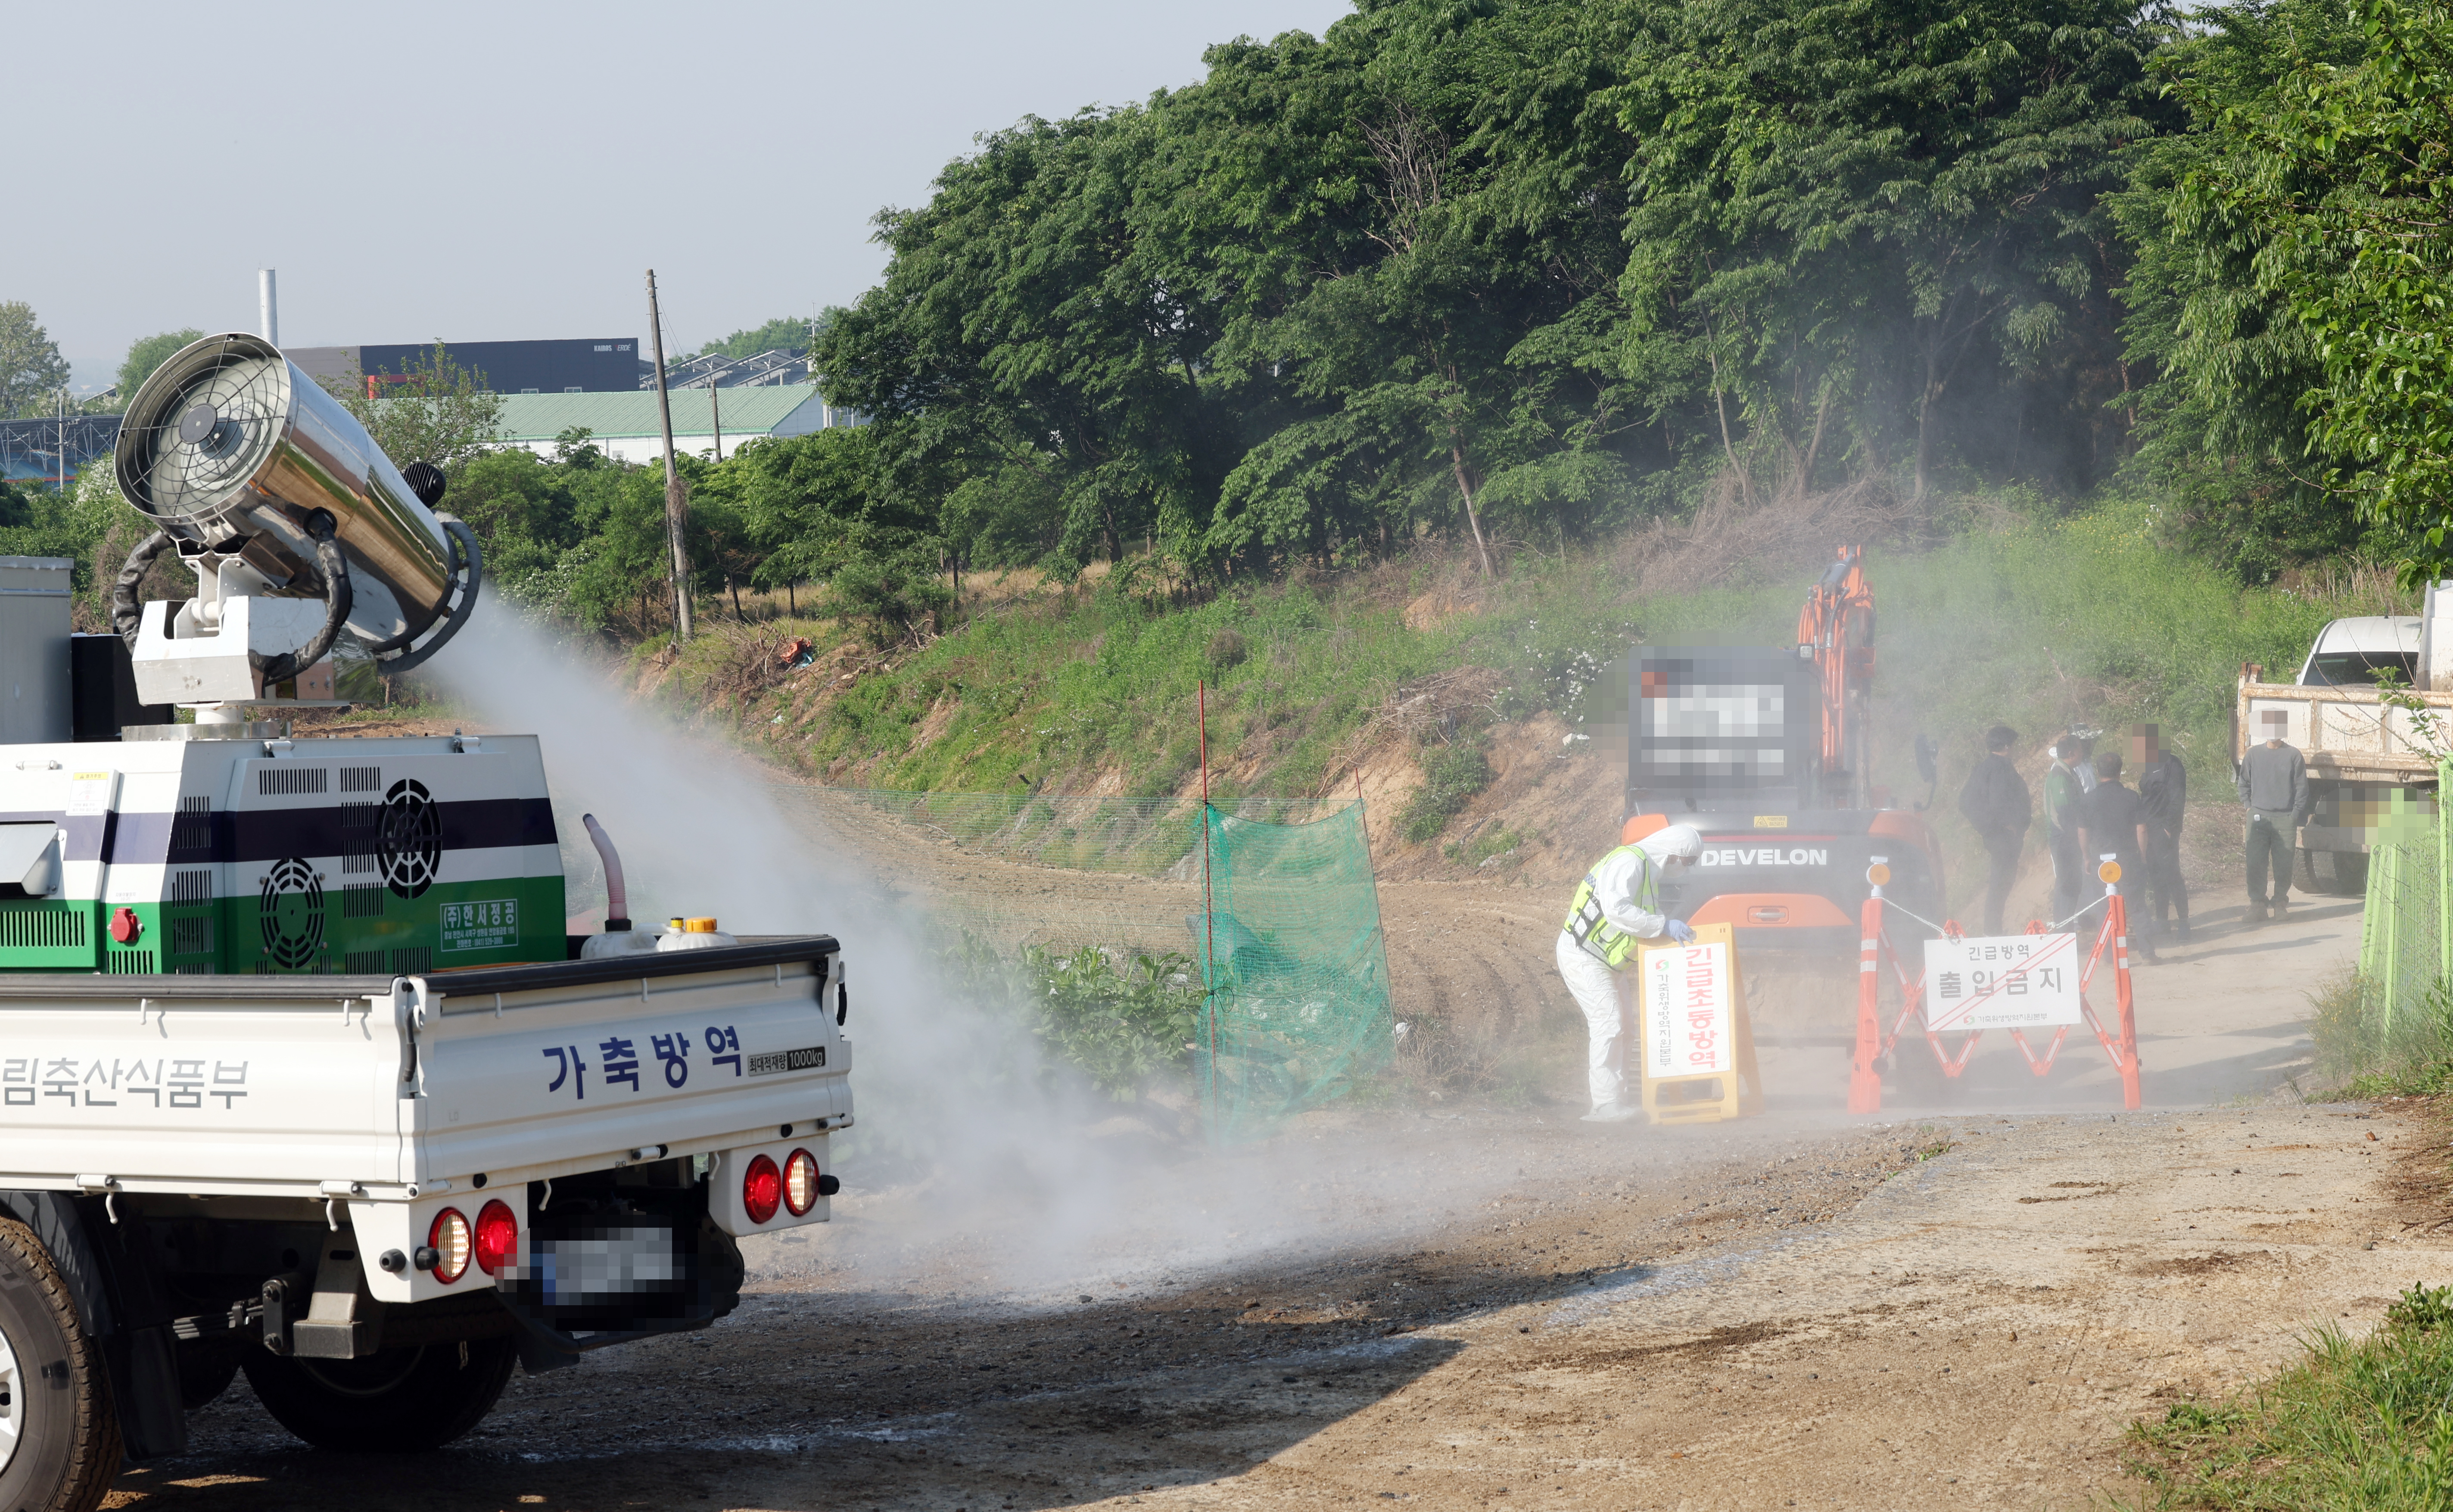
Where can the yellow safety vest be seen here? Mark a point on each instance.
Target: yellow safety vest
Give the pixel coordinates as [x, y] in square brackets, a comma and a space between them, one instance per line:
[1597, 936]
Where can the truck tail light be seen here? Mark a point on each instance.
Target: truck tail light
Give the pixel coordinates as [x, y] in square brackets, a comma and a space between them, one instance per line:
[498, 1239]
[761, 1188]
[449, 1240]
[801, 1182]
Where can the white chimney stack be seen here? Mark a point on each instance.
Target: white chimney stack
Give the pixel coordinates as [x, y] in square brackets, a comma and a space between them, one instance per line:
[268, 316]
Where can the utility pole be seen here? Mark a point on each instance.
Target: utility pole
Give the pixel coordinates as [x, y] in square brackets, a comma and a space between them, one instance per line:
[715, 409]
[675, 515]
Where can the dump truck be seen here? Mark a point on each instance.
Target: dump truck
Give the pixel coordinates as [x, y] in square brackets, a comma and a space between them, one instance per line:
[2371, 711]
[302, 1073]
[1767, 751]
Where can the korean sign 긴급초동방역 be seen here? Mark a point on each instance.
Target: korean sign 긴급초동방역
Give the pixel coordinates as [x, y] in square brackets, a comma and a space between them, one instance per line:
[1686, 1026]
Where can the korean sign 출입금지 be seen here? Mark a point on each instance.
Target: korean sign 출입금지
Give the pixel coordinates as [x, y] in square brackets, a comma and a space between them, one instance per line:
[2009, 982]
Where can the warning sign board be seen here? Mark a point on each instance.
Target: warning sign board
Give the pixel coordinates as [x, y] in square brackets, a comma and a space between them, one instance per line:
[2009, 982]
[1686, 1026]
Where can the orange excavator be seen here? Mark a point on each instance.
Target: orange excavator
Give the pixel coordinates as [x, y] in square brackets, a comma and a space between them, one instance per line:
[1767, 751]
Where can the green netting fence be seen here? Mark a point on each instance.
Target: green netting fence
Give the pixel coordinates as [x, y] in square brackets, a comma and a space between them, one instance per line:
[1297, 970]
[1267, 940]
[2405, 938]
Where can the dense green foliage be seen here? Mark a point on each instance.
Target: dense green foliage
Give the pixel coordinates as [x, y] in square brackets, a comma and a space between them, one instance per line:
[2226, 365]
[1539, 267]
[147, 353]
[2342, 184]
[1122, 1024]
[784, 333]
[31, 369]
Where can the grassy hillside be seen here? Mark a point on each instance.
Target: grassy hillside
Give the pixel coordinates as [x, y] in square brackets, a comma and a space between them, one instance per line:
[1989, 613]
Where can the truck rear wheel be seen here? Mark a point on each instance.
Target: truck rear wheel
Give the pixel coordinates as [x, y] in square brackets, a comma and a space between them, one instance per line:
[393, 1401]
[59, 1437]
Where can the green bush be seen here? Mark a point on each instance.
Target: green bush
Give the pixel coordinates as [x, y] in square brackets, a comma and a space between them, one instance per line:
[1118, 1025]
[1451, 775]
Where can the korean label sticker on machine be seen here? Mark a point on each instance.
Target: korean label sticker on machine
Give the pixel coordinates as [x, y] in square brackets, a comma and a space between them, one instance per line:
[2009, 982]
[1686, 1026]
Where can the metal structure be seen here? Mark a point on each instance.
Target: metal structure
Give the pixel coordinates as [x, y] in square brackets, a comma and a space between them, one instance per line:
[1836, 631]
[716, 371]
[272, 495]
[34, 451]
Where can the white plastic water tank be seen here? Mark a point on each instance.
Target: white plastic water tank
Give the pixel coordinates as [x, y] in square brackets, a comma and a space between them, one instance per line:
[617, 943]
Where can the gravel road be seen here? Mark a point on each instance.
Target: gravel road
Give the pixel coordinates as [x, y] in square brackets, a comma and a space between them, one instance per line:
[1950, 1304]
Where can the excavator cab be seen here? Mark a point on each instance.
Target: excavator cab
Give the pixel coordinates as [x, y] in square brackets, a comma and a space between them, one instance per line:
[1766, 751]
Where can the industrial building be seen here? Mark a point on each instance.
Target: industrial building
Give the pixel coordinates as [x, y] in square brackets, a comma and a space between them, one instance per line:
[705, 420]
[596, 364]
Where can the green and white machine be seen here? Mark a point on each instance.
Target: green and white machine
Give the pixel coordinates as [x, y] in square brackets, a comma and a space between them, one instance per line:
[221, 845]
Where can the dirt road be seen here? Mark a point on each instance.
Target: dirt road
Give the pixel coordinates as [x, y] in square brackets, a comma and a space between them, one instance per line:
[1954, 1305]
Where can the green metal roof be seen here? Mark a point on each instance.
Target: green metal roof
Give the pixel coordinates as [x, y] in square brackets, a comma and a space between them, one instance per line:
[756, 411]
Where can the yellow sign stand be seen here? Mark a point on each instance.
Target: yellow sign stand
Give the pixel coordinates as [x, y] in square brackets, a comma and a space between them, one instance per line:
[1692, 1030]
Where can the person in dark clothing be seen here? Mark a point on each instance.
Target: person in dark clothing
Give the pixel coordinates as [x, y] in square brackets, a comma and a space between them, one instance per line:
[2164, 791]
[2072, 881]
[2274, 789]
[2113, 824]
[1996, 801]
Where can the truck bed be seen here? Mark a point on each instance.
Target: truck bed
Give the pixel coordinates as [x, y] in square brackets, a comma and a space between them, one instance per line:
[2345, 732]
[377, 1088]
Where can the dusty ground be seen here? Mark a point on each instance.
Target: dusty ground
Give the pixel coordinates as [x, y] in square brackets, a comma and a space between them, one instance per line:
[1959, 1301]
[1768, 1316]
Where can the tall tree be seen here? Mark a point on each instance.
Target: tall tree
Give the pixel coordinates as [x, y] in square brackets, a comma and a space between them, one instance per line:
[31, 369]
[2222, 362]
[2341, 188]
[784, 333]
[147, 353]
[1516, 268]
[1879, 213]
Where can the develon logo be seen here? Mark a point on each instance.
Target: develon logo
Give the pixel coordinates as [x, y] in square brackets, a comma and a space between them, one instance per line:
[1763, 856]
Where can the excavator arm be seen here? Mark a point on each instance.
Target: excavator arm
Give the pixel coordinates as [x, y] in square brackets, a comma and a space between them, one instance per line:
[1835, 631]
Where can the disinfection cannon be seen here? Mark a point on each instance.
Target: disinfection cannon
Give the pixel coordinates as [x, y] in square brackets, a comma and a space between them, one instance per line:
[294, 523]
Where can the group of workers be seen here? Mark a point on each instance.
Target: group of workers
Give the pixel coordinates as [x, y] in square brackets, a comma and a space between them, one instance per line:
[2089, 815]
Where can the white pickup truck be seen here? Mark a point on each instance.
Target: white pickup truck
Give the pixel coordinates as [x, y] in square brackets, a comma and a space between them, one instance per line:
[300, 1072]
[376, 1194]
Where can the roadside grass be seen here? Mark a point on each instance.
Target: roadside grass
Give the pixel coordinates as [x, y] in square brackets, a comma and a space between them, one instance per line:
[2368, 1054]
[2023, 618]
[2357, 1423]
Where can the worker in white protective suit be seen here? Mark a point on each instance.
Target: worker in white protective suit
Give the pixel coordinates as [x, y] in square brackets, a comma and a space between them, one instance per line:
[1616, 905]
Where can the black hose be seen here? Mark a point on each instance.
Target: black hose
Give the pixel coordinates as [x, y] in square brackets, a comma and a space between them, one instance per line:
[470, 569]
[338, 596]
[127, 614]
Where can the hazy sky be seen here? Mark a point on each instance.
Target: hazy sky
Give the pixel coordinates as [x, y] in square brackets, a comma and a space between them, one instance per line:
[511, 171]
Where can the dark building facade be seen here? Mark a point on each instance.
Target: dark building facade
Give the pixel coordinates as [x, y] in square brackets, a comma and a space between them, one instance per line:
[587, 366]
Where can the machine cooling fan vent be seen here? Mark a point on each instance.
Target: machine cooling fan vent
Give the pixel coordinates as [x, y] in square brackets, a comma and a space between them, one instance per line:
[199, 429]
